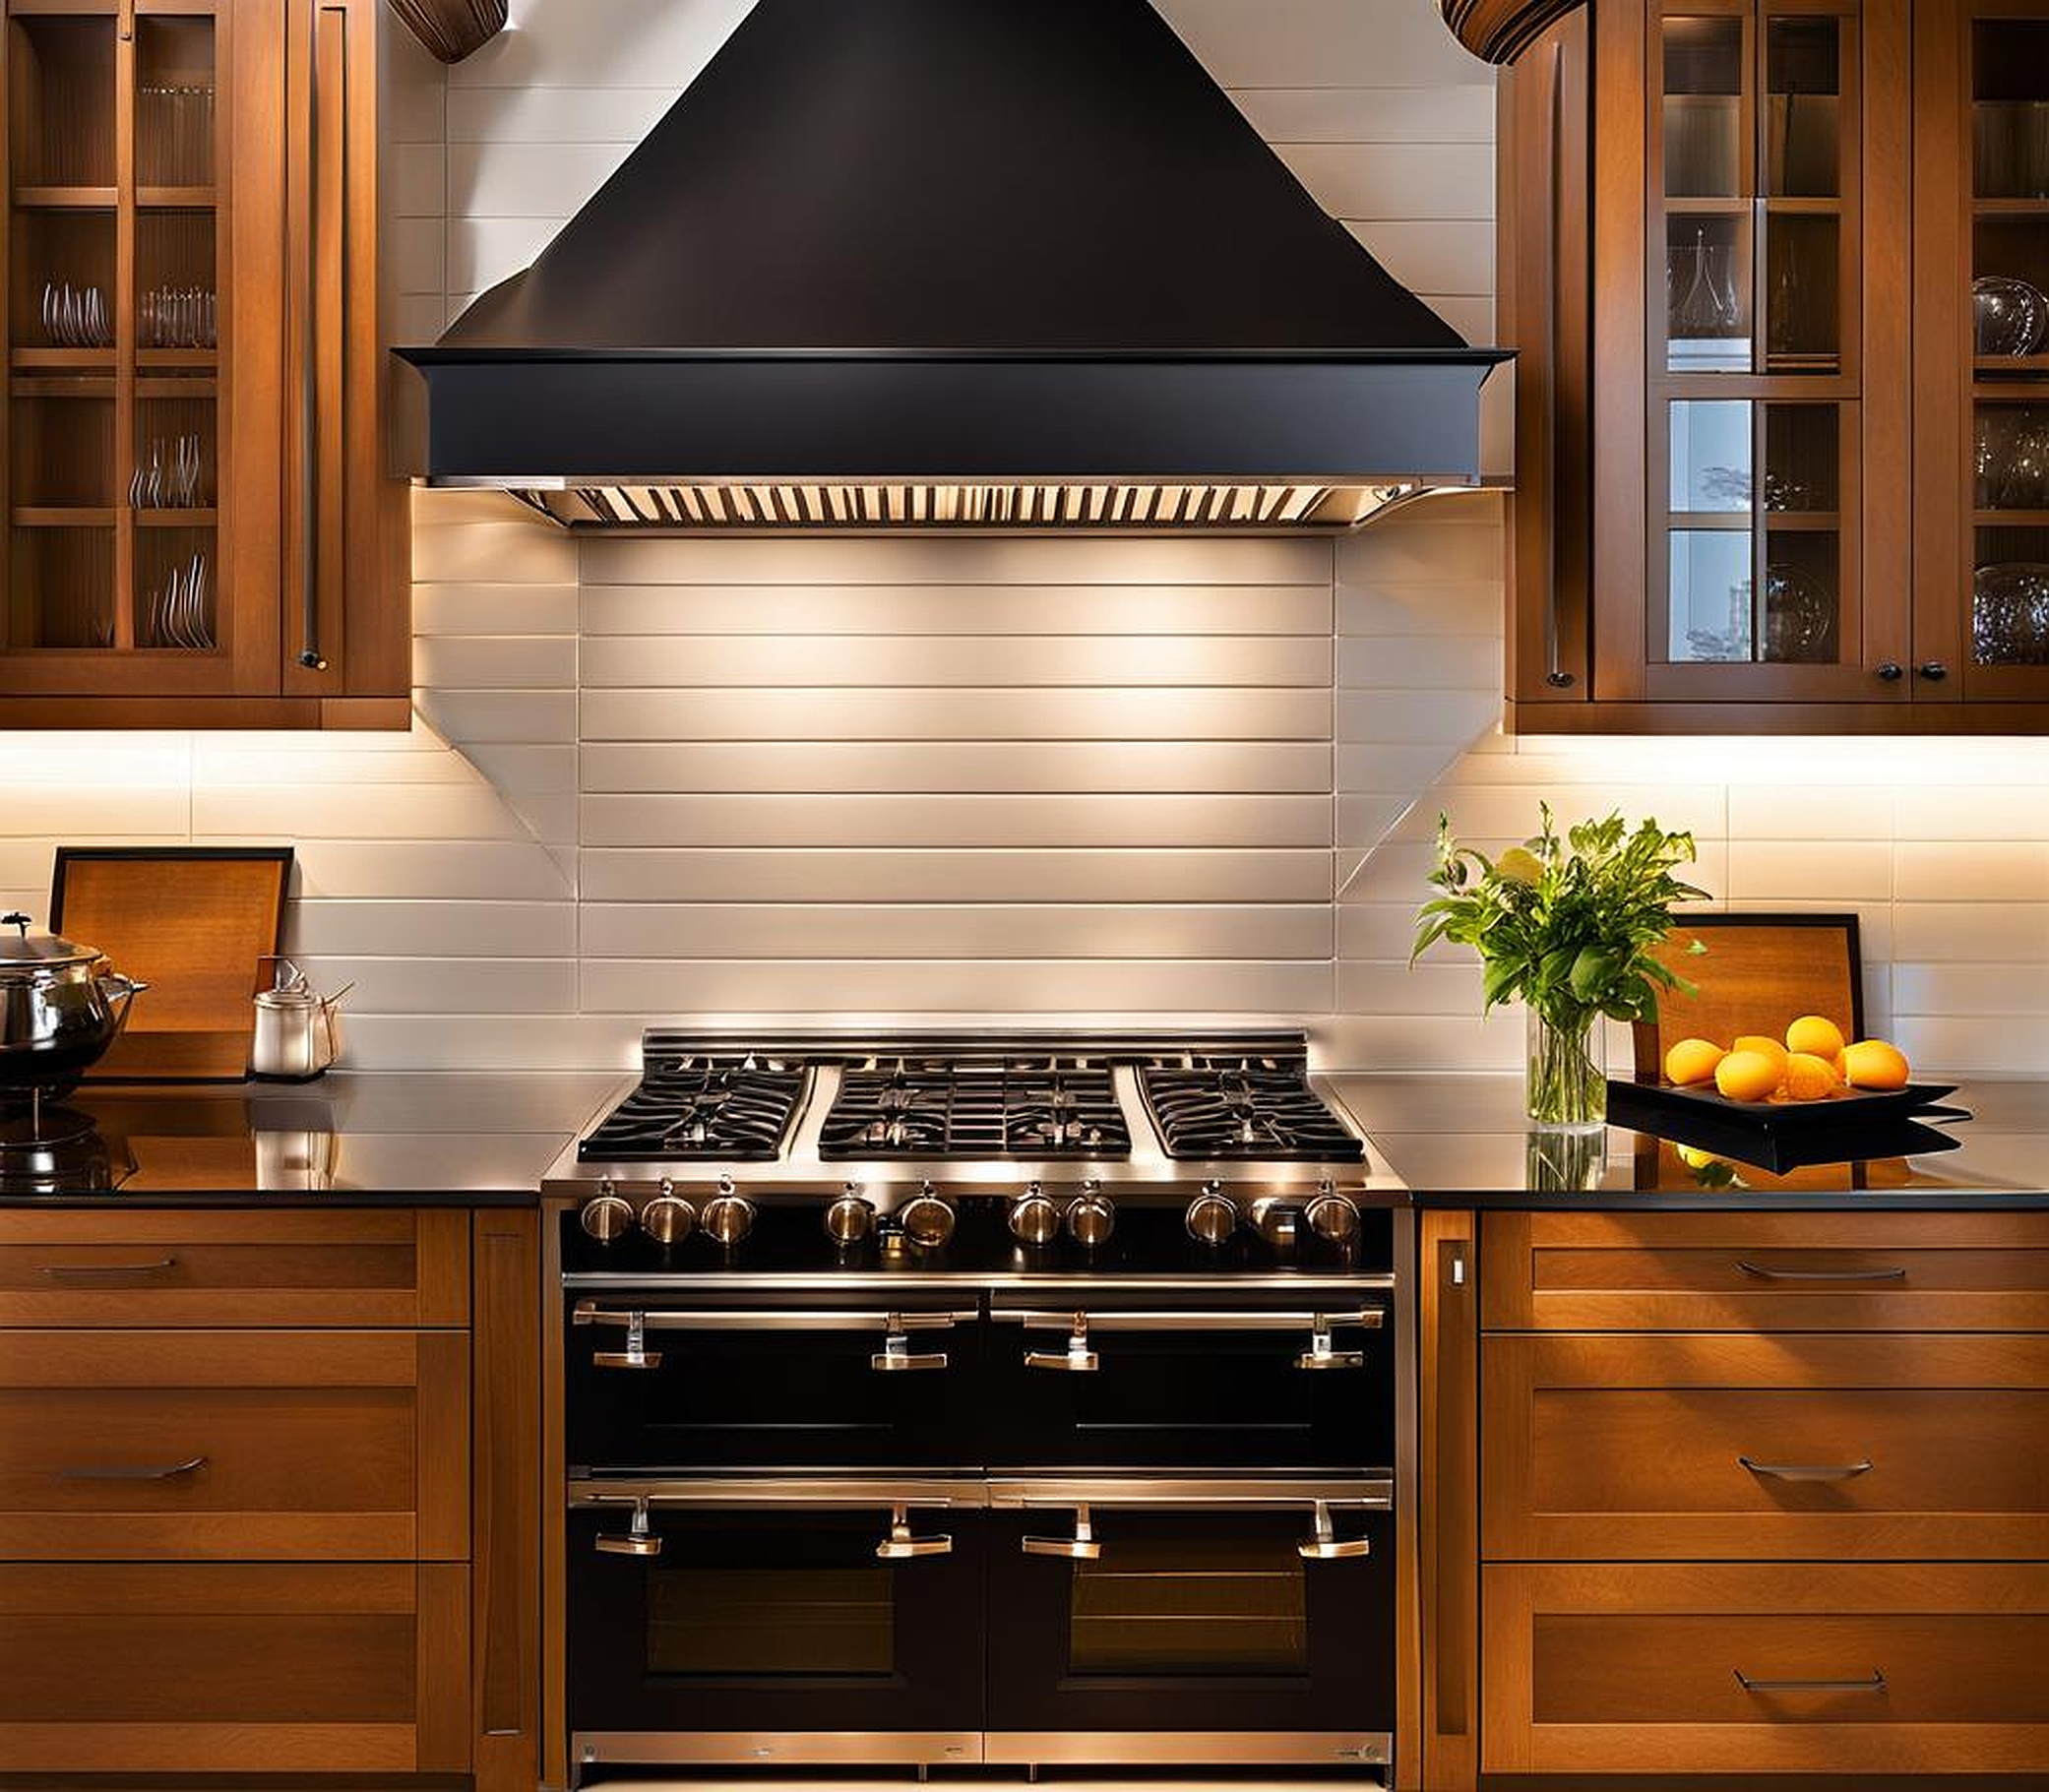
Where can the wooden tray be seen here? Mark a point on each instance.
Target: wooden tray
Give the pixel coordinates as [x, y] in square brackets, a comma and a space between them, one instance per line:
[191, 922]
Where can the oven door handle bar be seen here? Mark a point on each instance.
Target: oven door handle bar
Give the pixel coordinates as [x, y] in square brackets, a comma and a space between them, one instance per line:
[1079, 1324]
[710, 1318]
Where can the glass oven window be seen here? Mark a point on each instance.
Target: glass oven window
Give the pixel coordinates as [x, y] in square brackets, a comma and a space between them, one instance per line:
[1190, 1605]
[731, 1608]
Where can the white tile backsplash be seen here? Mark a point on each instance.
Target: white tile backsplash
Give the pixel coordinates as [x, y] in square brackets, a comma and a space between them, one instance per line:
[1072, 779]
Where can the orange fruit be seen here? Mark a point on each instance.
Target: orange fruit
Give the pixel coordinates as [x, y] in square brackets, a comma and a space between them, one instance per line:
[1766, 1048]
[1873, 1063]
[1816, 1034]
[1810, 1076]
[1747, 1077]
[1692, 1061]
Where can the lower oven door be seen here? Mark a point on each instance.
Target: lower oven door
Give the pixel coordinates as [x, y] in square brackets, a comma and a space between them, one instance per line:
[1215, 1622]
[775, 1622]
[660, 1388]
[1106, 1384]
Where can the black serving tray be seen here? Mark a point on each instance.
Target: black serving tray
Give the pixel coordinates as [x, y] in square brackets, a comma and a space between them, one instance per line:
[1778, 1136]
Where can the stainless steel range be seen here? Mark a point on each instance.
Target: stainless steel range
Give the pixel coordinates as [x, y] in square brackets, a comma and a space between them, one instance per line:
[978, 1399]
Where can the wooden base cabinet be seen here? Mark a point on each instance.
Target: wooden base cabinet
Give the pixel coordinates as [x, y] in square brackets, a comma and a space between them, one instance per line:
[1699, 1668]
[270, 1497]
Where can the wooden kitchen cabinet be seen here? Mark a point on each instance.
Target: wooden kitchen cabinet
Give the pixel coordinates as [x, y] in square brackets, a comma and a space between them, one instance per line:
[1738, 242]
[276, 1509]
[200, 531]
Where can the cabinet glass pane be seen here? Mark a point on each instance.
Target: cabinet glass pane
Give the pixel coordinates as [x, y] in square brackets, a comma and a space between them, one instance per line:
[1802, 582]
[1711, 456]
[1704, 155]
[1803, 254]
[60, 588]
[174, 102]
[1802, 459]
[1710, 597]
[2010, 111]
[1802, 59]
[61, 102]
[2010, 458]
[1708, 286]
[2009, 598]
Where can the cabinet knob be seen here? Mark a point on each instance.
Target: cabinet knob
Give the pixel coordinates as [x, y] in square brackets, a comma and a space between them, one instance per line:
[1892, 671]
[1933, 670]
[1560, 681]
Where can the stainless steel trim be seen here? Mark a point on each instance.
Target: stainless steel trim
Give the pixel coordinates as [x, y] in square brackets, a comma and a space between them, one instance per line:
[1187, 1748]
[710, 1318]
[1766, 1273]
[1235, 1319]
[940, 1282]
[1809, 1471]
[1375, 1492]
[1875, 1683]
[785, 1493]
[799, 1748]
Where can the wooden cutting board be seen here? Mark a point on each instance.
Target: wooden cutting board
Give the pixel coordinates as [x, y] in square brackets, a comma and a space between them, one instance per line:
[191, 922]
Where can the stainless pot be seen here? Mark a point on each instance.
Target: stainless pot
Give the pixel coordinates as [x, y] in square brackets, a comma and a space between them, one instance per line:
[60, 1008]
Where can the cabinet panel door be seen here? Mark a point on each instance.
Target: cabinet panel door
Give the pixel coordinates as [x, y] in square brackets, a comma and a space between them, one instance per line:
[1981, 345]
[1815, 1447]
[1718, 1668]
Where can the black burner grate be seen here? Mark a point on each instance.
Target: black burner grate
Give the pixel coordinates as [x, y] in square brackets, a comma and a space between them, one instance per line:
[737, 1108]
[970, 1107]
[1208, 1106]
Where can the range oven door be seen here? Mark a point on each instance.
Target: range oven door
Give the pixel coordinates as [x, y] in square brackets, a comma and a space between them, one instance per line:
[1220, 1622]
[771, 1622]
[662, 1387]
[1114, 1383]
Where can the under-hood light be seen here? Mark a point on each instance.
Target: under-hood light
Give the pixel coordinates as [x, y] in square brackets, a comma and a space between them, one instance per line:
[739, 507]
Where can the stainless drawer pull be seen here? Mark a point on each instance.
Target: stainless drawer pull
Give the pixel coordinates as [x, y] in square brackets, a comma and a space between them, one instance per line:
[1077, 1358]
[900, 1546]
[170, 1474]
[1821, 1276]
[639, 1539]
[1876, 1684]
[896, 1355]
[1080, 1547]
[78, 1272]
[1321, 1355]
[1324, 1543]
[1809, 1471]
[636, 1355]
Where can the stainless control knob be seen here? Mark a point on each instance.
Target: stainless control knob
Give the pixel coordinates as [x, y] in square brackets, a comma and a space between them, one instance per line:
[727, 1217]
[668, 1218]
[1090, 1216]
[1035, 1218]
[1274, 1221]
[927, 1219]
[607, 1215]
[1212, 1216]
[1332, 1217]
[851, 1219]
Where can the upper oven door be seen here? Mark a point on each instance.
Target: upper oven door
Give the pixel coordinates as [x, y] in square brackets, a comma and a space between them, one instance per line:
[656, 1387]
[760, 1620]
[1300, 1382]
[1221, 1622]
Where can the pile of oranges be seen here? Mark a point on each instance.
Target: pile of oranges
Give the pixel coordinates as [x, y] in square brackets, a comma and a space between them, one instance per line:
[1813, 1063]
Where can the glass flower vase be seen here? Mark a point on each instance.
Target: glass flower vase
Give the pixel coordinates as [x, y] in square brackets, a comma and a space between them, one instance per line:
[1568, 1072]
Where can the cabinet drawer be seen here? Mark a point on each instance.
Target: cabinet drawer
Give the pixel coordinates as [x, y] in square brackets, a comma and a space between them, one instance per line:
[234, 1267]
[1823, 1446]
[1823, 1272]
[213, 1668]
[1593, 1669]
[235, 1446]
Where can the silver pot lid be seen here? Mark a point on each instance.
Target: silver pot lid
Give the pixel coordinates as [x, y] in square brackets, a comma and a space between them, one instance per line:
[36, 949]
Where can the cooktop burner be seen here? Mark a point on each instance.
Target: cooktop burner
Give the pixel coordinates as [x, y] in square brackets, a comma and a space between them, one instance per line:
[966, 1107]
[736, 1107]
[1226, 1106]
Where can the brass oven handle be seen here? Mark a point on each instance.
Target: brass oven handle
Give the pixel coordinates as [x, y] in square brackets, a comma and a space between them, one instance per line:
[636, 1355]
[1802, 1472]
[1076, 1359]
[639, 1539]
[66, 1272]
[901, 1546]
[171, 1473]
[1876, 1684]
[1079, 1357]
[1324, 1544]
[897, 1356]
[1080, 1547]
[1766, 1273]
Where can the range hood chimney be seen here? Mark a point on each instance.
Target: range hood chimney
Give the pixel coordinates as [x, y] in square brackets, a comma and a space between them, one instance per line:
[952, 264]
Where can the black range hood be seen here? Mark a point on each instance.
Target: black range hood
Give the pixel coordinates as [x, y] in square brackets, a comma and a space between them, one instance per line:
[951, 263]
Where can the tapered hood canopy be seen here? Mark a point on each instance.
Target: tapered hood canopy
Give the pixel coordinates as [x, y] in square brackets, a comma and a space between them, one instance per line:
[1016, 258]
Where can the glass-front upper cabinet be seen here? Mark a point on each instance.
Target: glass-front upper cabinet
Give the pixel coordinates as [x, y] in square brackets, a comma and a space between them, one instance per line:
[1982, 255]
[1759, 577]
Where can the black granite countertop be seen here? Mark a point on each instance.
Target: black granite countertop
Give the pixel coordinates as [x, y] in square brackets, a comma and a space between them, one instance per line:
[348, 1139]
[1463, 1142]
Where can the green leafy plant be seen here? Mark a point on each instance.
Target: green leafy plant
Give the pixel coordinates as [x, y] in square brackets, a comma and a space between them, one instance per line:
[1569, 926]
